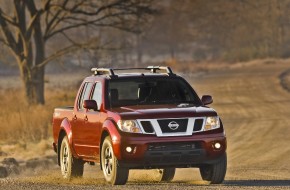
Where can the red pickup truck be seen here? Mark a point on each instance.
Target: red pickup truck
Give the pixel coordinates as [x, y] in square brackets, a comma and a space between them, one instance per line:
[142, 120]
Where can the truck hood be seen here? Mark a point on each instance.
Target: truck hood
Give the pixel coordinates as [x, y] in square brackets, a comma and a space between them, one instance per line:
[163, 111]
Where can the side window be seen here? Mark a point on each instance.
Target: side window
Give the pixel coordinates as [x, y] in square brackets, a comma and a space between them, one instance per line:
[97, 95]
[85, 94]
[81, 95]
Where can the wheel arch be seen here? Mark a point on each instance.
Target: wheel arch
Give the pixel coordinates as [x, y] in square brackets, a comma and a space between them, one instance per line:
[65, 130]
[110, 129]
[61, 135]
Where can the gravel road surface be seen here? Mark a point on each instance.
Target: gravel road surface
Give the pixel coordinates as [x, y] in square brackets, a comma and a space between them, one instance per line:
[256, 113]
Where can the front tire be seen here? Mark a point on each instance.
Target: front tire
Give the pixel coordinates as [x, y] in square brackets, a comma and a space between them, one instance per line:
[167, 174]
[215, 173]
[70, 166]
[113, 173]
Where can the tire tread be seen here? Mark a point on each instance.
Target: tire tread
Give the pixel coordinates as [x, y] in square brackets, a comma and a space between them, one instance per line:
[167, 174]
[121, 174]
[215, 173]
[77, 165]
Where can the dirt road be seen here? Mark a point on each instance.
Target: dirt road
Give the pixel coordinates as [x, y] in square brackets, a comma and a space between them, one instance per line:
[256, 113]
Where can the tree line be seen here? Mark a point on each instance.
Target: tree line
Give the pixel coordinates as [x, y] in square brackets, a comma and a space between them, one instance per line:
[37, 33]
[228, 30]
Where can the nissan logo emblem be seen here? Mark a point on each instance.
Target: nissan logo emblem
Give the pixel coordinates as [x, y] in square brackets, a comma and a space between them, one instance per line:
[173, 125]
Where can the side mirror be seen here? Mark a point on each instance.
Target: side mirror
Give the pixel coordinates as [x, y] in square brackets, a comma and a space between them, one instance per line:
[206, 99]
[91, 105]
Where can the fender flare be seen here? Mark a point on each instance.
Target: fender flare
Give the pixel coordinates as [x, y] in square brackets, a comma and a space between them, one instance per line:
[65, 130]
[110, 129]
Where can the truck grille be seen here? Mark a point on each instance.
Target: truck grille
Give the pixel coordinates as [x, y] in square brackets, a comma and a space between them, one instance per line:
[173, 146]
[174, 153]
[198, 124]
[147, 126]
[173, 125]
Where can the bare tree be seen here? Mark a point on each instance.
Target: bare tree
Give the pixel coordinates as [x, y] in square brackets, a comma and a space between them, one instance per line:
[27, 30]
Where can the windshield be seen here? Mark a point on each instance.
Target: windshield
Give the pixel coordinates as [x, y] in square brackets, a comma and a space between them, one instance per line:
[149, 91]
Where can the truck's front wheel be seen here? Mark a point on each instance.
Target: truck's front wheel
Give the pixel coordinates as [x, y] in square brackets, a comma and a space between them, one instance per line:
[113, 173]
[167, 174]
[70, 166]
[215, 173]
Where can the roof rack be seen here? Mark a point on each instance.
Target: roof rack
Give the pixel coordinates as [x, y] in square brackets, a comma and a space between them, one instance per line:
[102, 71]
[152, 69]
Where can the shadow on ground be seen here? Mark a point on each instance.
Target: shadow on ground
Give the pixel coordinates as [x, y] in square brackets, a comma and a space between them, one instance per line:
[269, 183]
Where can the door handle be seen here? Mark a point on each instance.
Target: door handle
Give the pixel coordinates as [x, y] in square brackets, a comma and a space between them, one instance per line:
[75, 117]
[86, 118]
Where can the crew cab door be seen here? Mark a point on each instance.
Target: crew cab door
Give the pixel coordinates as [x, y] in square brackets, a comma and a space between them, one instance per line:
[79, 134]
[86, 125]
[93, 123]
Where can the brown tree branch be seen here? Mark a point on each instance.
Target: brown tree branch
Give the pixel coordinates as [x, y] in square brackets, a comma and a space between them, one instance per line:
[46, 5]
[61, 52]
[54, 19]
[8, 19]
[96, 22]
[4, 42]
[7, 34]
[78, 15]
[37, 34]
[35, 18]
[54, 25]
[76, 9]
[70, 39]
[20, 16]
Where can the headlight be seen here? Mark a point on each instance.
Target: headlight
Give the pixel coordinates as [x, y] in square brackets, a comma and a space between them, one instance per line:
[130, 126]
[212, 123]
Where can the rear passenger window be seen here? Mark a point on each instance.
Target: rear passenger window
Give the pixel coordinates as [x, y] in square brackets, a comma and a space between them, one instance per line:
[85, 95]
[97, 95]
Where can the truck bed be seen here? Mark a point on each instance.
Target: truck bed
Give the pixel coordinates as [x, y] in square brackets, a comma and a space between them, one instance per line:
[64, 108]
[59, 115]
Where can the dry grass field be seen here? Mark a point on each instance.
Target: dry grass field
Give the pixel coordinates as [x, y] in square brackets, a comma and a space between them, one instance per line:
[24, 126]
[249, 97]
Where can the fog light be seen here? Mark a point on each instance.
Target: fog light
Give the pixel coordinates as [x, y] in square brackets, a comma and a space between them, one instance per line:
[129, 149]
[217, 145]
